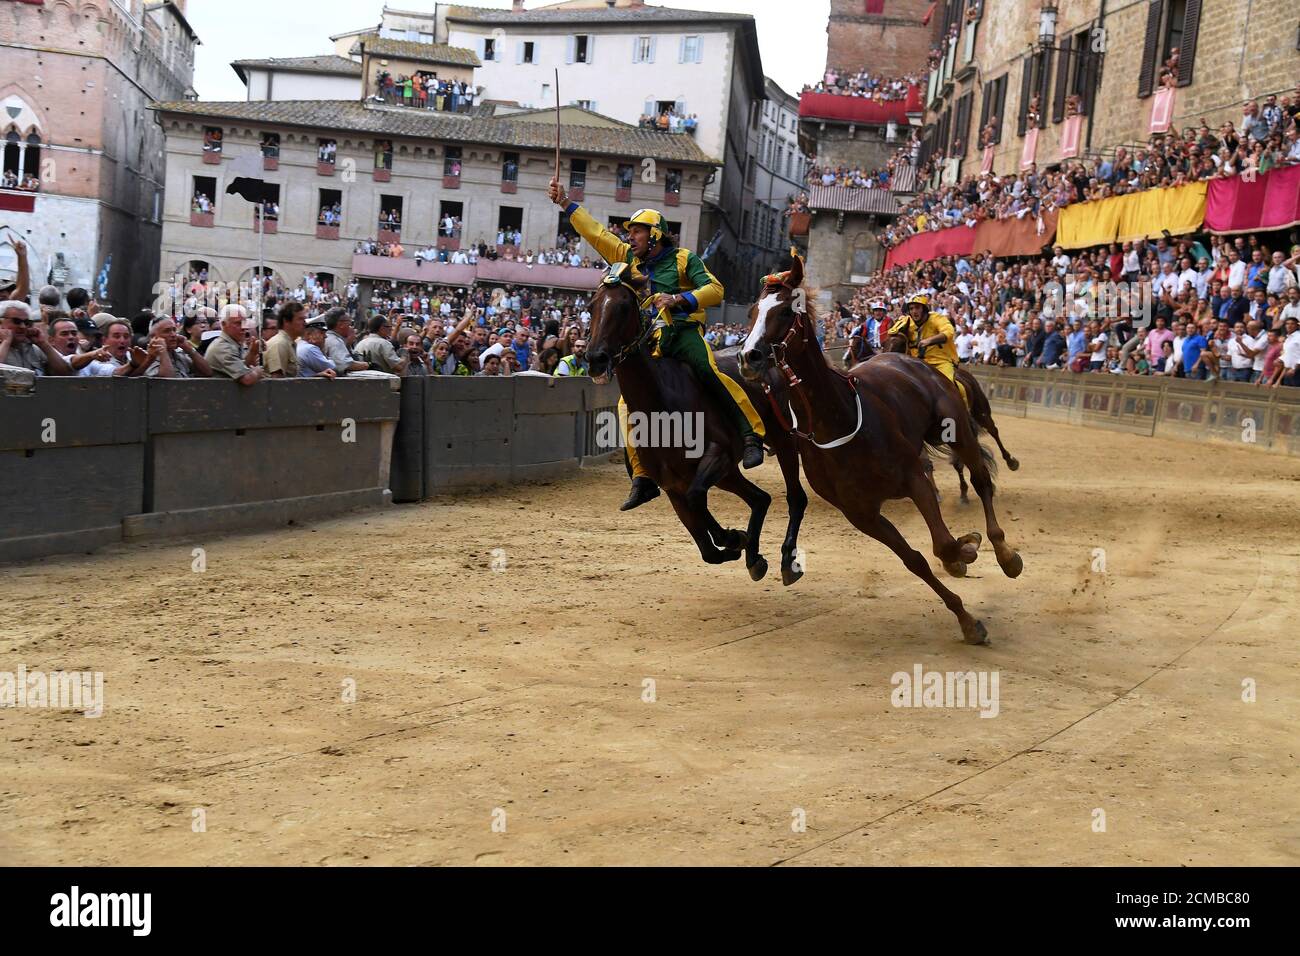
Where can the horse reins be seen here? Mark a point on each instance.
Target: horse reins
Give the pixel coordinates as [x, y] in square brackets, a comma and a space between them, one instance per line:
[793, 380]
[647, 328]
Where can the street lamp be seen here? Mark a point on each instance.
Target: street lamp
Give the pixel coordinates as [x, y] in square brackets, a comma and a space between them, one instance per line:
[1047, 23]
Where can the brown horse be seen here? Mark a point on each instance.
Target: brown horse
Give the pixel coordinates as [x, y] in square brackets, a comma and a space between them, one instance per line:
[620, 342]
[981, 411]
[861, 436]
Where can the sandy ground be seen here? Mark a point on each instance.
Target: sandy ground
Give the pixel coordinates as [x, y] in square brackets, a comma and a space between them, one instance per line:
[515, 697]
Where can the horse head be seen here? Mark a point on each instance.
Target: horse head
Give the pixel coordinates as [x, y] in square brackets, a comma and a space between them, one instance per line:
[618, 327]
[781, 321]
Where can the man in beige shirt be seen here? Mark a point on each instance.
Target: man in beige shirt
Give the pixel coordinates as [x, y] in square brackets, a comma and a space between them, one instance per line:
[281, 359]
[225, 354]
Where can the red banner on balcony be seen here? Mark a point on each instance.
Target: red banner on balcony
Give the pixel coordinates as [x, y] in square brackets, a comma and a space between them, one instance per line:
[1270, 201]
[998, 237]
[1030, 153]
[928, 246]
[1162, 110]
[859, 109]
[1071, 137]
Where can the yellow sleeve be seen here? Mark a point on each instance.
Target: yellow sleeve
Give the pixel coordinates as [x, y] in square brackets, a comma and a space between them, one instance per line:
[707, 289]
[610, 247]
[939, 325]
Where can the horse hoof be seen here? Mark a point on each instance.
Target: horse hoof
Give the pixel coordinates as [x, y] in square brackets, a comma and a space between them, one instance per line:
[789, 575]
[975, 633]
[758, 570]
[1013, 565]
[956, 568]
[1013, 464]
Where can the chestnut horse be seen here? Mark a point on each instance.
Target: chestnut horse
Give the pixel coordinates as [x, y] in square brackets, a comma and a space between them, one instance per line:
[981, 411]
[620, 342]
[862, 436]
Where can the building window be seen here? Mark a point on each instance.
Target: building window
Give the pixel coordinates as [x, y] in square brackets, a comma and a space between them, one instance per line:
[449, 219]
[577, 174]
[623, 179]
[673, 181]
[580, 47]
[510, 219]
[1171, 25]
[204, 197]
[995, 99]
[451, 162]
[384, 155]
[527, 52]
[211, 140]
[326, 152]
[270, 145]
[331, 208]
[643, 50]
[489, 48]
[510, 168]
[390, 214]
[692, 50]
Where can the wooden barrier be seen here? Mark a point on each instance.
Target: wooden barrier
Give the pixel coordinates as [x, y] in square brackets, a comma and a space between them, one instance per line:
[1267, 418]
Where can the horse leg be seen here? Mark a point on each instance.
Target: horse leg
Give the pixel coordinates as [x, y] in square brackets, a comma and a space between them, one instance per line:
[977, 459]
[796, 500]
[880, 528]
[986, 423]
[713, 466]
[961, 478]
[955, 554]
[697, 525]
[759, 501]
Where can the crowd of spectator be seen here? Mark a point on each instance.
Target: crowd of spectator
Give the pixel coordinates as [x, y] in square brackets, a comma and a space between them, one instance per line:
[11, 179]
[425, 91]
[508, 248]
[670, 121]
[856, 176]
[1267, 137]
[1223, 308]
[864, 83]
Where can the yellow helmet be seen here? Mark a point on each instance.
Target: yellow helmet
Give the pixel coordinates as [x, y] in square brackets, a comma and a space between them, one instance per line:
[651, 218]
[919, 299]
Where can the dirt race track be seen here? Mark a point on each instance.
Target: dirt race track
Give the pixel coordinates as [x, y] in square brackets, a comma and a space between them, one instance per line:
[516, 695]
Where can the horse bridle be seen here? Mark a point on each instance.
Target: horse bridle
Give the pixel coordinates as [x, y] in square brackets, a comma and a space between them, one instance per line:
[779, 350]
[647, 317]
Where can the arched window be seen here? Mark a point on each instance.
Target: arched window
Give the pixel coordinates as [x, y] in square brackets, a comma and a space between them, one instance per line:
[32, 164]
[11, 172]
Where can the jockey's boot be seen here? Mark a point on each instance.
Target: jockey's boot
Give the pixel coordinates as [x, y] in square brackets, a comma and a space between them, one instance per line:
[643, 490]
[753, 451]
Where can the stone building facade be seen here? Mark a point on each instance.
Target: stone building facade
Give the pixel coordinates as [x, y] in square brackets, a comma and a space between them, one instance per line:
[490, 172]
[78, 77]
[1110, 55]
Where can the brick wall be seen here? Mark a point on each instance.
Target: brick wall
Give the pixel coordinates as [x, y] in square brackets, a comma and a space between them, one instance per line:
[892, 43]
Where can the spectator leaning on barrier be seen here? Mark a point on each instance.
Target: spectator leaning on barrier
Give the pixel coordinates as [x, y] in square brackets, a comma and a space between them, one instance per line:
[115, 358]
[173, 355]
[376, 349]
[225, 355]
[23, 342]
[281, 358]
[338, 338]
[312, 362]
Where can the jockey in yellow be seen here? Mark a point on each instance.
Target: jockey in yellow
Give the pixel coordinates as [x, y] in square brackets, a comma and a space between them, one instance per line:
[931, 338]
[683, 288]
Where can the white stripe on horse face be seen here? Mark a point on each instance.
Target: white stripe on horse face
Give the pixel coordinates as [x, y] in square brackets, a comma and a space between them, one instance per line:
[759, 331]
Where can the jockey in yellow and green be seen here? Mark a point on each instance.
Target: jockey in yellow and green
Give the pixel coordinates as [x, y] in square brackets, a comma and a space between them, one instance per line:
[683, 288]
